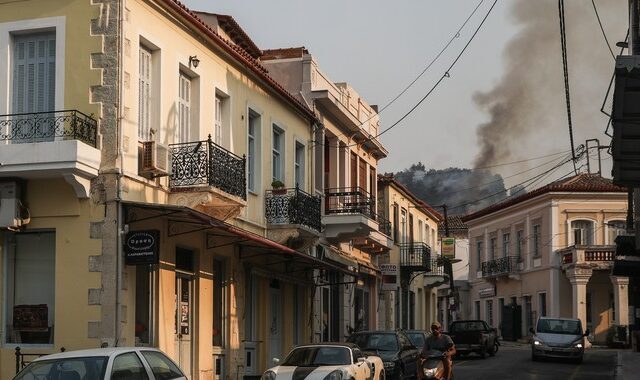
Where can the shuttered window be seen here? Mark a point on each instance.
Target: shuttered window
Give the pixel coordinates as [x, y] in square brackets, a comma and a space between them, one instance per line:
[217, 128]
[144, 94]
[34, 72]
[184, 109]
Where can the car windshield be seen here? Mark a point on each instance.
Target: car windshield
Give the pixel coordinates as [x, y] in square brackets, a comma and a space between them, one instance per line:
[69, 368]
[375, 342]
[316, 356]
[467, 326]
[559, 326]
[416, 338]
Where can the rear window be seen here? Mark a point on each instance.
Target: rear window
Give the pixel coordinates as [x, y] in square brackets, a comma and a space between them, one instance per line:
[559, 326]
[467, 326]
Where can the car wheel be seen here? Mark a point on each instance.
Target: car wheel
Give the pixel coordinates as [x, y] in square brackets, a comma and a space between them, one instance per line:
[495, 347]
[492, 350]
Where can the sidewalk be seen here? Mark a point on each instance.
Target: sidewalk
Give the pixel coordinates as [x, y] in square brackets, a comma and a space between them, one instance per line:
[628, 365]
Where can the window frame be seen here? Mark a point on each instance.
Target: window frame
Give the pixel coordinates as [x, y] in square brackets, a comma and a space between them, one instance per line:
[144, 100]
[183, 132]
[612, 229]
[299, 162]
[506, 244]
[537, 235]
[588, 232]
[278, 154]
[254, 161]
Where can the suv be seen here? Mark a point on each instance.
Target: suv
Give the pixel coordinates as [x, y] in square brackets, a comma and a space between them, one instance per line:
[558, 338]
[395, 349]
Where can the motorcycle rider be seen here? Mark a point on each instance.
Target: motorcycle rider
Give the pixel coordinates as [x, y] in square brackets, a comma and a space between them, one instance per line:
[439, 342]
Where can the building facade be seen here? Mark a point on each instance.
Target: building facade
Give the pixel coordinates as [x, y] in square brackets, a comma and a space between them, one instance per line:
[550, 253]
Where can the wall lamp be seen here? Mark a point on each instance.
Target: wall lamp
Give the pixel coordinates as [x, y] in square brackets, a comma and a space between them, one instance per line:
[193, 60]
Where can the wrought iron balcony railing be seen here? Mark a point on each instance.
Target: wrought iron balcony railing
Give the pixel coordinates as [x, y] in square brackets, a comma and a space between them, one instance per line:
[293, 206]
[353, 200]
[415, 255]
[436, 268]
[500, 266]
[206, 163]
[384, 225]
[49, 126]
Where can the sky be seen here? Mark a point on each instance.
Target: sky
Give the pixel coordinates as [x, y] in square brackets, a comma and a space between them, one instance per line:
[379, 47]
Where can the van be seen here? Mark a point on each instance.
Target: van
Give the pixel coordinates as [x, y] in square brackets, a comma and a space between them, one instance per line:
[558, 338]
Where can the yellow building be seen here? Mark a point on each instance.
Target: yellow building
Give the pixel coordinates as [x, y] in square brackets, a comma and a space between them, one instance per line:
[549, 253]
[410, 294]
[146, 214]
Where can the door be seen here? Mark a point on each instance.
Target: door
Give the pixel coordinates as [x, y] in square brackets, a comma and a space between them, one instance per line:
[275, 324]
[184, 322]
[184, 109]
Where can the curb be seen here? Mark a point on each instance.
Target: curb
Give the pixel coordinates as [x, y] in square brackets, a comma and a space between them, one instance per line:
[617, 370]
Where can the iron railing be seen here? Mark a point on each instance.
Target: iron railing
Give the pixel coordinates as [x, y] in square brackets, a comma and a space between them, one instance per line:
[500, 266]
[384, 225]
[22, 359]
[437, 268]
[293, 206]
[34, 127]
[206, 163]
[415, 255]
[353, 200]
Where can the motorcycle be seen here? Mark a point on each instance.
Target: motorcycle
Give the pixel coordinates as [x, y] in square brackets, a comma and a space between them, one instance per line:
[433, 367]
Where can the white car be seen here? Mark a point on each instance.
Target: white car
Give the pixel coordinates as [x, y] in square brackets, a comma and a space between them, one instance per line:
[327, 361]
[113, 363]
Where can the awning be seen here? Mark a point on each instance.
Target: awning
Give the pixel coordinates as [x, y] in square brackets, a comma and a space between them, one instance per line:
[184, 220]
[336, 255]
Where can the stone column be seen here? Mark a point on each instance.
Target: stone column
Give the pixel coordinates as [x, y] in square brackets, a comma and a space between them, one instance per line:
[579, 277]
[621, 299]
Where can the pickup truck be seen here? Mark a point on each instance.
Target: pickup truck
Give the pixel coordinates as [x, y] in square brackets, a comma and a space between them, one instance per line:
[473, 336]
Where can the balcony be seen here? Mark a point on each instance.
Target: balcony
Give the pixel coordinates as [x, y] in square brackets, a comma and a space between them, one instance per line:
[52, 144]
[437, 274]
[593, 256]
[207, 177]
[502, 266]
[415, 257]
[293, 216]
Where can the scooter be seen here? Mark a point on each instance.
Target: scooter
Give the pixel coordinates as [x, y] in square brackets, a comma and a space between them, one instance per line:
[433, 367]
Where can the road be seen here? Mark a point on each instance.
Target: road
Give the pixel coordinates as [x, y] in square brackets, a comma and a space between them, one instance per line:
[514, 362]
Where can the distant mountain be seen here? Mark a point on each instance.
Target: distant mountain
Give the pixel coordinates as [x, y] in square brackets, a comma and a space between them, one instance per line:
[462, 190]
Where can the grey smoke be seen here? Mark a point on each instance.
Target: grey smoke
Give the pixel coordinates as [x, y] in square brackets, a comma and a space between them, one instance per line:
[526, 108]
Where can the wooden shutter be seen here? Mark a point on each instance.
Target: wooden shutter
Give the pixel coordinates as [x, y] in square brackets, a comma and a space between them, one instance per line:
[34, 73]
[217, 130]
[144, 96]
[184, 109]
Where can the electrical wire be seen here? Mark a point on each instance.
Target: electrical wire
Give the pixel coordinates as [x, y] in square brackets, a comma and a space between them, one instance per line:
[565, 67]
[606, 40]
[521, 161]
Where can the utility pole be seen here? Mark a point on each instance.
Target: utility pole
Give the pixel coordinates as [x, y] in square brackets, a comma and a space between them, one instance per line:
[448, 267]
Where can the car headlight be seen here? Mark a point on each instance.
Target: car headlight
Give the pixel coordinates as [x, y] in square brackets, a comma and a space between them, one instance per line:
[430, 372]
[334, 375]
[268, 375]
[389, 364]
[578, 345]
[537, 342]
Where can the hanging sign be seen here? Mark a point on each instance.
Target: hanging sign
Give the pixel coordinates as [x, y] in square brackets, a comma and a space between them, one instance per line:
[142, 247]
[389, 276]
[448, 247]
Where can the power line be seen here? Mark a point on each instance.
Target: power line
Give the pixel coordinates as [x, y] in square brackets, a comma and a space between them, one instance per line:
[565, 67]
[521, 161]
[606, 40]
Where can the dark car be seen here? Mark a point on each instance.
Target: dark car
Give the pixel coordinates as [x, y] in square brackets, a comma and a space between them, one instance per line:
[417, 337]
[395, 349]
[473, 336]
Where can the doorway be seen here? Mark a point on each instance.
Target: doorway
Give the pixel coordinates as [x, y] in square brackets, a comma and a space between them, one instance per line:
[275, 321]
[184, 299]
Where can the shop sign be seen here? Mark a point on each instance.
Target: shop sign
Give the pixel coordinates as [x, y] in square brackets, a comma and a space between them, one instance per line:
[142, 247]
[448, 247]
[487, 292]
[389, 276]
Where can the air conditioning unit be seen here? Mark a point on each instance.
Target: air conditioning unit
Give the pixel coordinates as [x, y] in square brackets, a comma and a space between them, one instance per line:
[10, 206]
[155, 159]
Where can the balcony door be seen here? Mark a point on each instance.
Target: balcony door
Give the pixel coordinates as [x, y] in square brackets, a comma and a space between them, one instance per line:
[34, 68]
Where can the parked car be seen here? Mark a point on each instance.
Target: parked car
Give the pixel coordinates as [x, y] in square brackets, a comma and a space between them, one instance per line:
[473, 336]
[114, 363]
[393, 347]
[558, 338]
[331, 361]
[417, 337]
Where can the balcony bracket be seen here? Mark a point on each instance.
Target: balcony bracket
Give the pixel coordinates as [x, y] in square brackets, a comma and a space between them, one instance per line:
[80, 184]
[208, 202]
[295, 237]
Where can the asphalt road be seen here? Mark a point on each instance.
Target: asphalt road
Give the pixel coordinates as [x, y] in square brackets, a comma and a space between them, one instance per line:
[514, 362]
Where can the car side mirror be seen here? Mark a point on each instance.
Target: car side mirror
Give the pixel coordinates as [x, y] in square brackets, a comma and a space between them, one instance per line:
[532, 331]
[276, 361]
[586, 332]
[361, 360]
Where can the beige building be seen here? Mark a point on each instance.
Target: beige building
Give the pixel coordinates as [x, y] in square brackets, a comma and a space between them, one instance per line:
[549, 252]
[356, 230]
[409, 299]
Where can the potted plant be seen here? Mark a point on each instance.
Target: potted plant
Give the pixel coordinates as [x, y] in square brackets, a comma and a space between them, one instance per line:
[278, 188]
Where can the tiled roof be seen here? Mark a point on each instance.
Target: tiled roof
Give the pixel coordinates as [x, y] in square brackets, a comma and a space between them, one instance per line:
[389, 179]
[455, 223]
[235, 31]
[240, 54]
[282, 53]
[581, 183]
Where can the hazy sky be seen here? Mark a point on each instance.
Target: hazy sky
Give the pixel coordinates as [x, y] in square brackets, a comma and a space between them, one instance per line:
[381, 46]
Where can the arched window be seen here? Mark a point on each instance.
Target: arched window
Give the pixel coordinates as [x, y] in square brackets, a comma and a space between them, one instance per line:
[615, 228]
[582, 232]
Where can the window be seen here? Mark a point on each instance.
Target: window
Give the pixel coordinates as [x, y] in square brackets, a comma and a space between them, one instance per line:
[477, 309]
[128, 366]
[478, 254]
[519, 242]
[219, 303]
[30, 287]
[542, 304]
[299, 165]
[489, 311]
[492, 248]
[144, 94]
[217, 125]
[403, 226]
[161, 366]
[396, 224]
[528, 313]
[500, 310]
[253, 150]
[184, 109]
[505, 244]
[536, 240]
[277, 156]
[615, 228]
[420, 228]
[582, 232]
[34, 72]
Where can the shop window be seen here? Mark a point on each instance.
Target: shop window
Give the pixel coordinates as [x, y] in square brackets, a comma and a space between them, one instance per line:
[30, 287]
